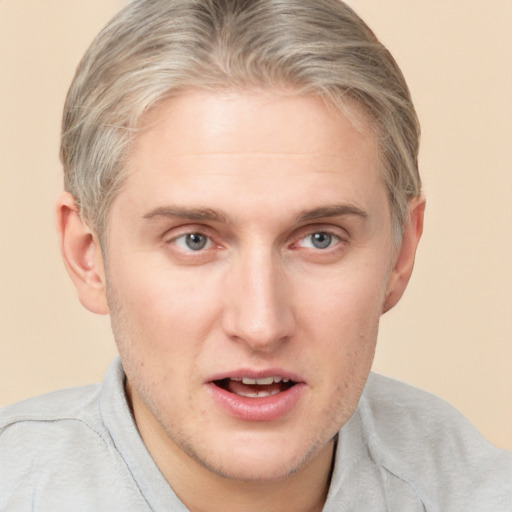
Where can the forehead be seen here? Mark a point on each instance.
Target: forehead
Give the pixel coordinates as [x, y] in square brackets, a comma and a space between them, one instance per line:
[262, 120]
[231, 148]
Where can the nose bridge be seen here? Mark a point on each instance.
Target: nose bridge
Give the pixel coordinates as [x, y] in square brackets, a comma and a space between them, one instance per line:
[258, 309]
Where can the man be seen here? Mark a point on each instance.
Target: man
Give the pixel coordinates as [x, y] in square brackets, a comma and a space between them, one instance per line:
[242, 198]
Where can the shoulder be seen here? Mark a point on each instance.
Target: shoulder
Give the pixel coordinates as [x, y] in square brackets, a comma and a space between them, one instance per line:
[73, 402]
[55, 450]
[430, 445]
[38, 434]
[74, 409]
[391, 402]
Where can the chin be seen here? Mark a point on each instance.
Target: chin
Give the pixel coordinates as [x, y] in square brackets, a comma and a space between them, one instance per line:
[257, 461]
[252, 471]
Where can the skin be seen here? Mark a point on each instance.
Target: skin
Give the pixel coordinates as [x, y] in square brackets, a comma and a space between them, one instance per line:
[276, 168]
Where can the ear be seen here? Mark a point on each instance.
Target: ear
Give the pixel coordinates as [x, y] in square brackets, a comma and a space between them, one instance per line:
[404, 259]
[82, 255]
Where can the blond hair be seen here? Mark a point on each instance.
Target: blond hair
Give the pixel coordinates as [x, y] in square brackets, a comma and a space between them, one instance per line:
[155, 48]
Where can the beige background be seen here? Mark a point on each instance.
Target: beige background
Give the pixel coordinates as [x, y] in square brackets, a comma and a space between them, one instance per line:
[452, 333]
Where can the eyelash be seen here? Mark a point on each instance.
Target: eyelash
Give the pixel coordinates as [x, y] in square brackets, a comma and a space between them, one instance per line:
[180, 241]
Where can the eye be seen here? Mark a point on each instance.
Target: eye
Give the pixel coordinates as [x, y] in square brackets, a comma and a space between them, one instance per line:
[318, 240]
[192, 242]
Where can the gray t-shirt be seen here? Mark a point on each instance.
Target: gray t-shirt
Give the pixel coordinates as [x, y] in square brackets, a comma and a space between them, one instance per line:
[402, 450]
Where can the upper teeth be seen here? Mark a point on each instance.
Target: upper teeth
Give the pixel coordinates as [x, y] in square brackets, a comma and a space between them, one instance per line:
[264, 381]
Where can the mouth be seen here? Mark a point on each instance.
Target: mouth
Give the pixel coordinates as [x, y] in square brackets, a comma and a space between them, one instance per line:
[252, 396]
[255, 387]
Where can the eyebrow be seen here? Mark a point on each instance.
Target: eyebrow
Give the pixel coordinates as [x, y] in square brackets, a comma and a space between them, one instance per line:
[196, 214]
[211, 215]
[331, 211]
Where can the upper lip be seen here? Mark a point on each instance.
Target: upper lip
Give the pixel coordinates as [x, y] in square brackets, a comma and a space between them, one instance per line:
[256, 374]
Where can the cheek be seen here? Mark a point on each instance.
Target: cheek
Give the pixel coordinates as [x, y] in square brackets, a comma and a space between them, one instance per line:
[349, 337]
[342, 317]
[347, 300]
[162, 300]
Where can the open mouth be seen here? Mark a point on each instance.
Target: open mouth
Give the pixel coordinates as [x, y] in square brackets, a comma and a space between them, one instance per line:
[255, 388]
[262, 397]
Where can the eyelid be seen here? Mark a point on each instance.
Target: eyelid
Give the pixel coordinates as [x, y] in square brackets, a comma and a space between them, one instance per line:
[340, 237]
[175, 233]
[336, 231]
[185, 229]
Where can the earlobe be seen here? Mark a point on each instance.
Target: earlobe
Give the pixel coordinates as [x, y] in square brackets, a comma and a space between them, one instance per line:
[82, 255]
[404, 259]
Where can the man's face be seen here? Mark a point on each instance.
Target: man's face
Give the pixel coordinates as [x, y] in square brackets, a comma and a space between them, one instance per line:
[252, 240]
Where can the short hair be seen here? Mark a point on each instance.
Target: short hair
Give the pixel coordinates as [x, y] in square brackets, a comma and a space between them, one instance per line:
[154, 49]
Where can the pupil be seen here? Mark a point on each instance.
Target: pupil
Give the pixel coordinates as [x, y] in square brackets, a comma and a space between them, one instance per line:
[196, 241]
[321, 240]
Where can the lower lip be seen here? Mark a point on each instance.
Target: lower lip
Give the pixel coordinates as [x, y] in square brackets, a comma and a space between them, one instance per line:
[268, 408]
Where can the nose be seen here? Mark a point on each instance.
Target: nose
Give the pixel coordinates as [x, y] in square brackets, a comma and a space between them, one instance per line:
[258, 304]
